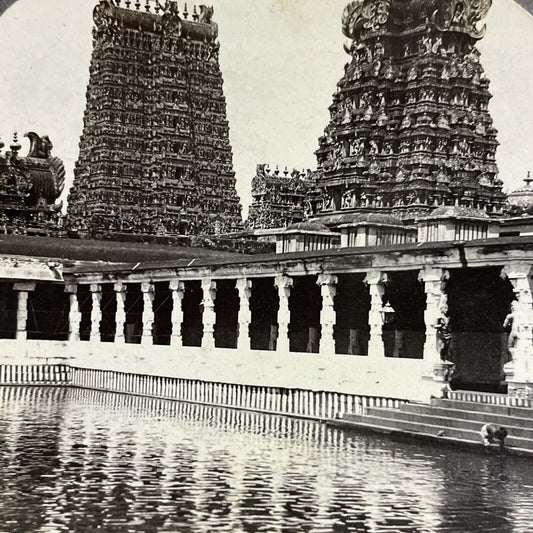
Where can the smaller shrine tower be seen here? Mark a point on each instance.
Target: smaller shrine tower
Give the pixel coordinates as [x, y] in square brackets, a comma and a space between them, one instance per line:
[155, 156]
[30, 187]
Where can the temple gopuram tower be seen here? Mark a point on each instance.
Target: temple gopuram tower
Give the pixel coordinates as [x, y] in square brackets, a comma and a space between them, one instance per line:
[155, 157]
[410, 129]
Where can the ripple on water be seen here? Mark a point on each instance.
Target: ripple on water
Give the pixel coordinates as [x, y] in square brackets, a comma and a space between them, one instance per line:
[82, 461]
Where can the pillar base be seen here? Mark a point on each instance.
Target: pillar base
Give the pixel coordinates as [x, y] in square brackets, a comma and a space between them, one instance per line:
[443, 371]
[523, 390]
[517, 385]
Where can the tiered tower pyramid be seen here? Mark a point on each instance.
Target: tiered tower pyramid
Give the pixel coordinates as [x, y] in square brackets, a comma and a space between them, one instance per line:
[410, 128]
[155, 157]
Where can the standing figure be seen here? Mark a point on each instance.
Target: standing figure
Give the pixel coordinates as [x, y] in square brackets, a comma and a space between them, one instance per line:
[510, 326]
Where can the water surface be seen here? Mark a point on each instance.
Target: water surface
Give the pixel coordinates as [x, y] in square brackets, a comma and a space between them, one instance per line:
[83, 461]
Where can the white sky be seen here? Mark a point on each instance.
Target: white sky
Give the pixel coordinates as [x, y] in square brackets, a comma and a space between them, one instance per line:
[280, 59]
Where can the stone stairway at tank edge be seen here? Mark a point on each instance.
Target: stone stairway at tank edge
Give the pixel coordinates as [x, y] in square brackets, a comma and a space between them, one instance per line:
[451, 421]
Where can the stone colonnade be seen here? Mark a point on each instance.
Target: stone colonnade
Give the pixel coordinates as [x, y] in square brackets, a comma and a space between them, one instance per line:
[375, 280]
[519, 371]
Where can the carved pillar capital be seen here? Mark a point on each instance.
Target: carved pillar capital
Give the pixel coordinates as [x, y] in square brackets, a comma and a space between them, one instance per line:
[376, 277]
[25, 286]
[71, 288]
[119, 286]
[175, 285]
[147, 287]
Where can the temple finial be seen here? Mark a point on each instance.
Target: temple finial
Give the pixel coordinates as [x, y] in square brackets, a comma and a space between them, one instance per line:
[529, 179]
[15, 147]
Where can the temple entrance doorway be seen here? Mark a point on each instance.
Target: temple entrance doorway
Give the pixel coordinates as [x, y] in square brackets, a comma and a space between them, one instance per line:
[478, 302]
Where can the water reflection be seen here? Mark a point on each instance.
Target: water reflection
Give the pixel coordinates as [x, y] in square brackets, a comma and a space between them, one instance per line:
[83, 461]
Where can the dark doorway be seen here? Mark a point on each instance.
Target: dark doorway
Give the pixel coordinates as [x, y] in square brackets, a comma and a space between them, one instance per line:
[305, 304]
[48, 310]
[264, 305]
[108, 305]
[478, 301]
[8, 311]
[227, 304]
[192, 328]
[134, 311]
[352, 306]
[162, 313]
[405, 335]
[85, 303]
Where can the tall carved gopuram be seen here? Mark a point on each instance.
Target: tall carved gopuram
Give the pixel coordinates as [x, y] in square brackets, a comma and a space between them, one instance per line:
[410, 128]
[155, 156]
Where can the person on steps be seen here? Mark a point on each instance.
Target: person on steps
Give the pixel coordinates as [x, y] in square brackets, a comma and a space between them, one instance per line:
[492, 434]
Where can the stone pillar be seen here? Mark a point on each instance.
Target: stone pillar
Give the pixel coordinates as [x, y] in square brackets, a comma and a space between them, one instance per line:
[209, 289]
[376, 285]
[74, 316]
[178, 290]
[519, 371]
[23, 289]
[244, 286]
[120, 317]
[96, 312]
[284, 285]
[147, 289]
[328, 316]
[436, 318]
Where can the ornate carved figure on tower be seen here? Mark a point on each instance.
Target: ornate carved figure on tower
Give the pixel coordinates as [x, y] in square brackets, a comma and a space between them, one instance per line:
[30, 188]
[155, 157]
[421, 115]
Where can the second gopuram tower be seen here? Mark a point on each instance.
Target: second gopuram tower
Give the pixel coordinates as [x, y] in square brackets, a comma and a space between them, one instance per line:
[410, 128]
[155, 156]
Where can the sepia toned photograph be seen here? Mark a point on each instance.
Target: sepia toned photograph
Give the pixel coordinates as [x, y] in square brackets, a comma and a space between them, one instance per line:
[266, 266]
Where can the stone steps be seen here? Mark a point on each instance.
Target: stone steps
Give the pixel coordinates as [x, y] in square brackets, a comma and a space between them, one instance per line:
[521, 412]
[474, 416]
[450, 421]
[447, 422]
